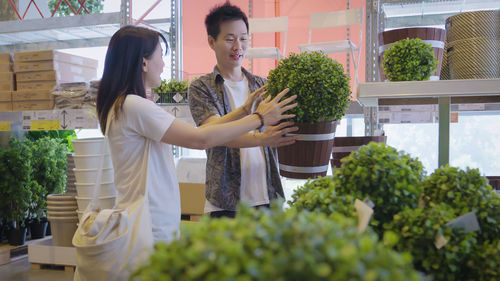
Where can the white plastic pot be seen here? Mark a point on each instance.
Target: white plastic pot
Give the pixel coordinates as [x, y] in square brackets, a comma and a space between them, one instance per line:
[92, 161]
[107, 189]
[90, 175]
[89, 146]
[104, 202]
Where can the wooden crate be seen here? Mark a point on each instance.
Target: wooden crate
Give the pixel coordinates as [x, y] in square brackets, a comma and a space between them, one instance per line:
[42, 254]
[9, 253]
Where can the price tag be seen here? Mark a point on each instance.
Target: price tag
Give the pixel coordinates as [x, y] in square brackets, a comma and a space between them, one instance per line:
[4, 126]
[45, 125]
[365, 213]
[440, 241]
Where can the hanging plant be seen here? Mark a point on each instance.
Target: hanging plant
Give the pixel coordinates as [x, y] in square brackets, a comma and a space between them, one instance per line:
[93, 6]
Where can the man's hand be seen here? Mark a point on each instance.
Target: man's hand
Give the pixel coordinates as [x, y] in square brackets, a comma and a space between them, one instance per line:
[253, 99]
[273, 136]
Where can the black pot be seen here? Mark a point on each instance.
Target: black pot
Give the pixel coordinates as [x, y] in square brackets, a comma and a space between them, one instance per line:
[49, 231]
[38, 229]
[16, 236]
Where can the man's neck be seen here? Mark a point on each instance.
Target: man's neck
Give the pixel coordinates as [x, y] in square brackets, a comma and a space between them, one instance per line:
[231, 74]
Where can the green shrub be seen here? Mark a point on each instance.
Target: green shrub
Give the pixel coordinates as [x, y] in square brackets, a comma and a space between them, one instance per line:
[409, 60]
[417, 229]
[321, 86]
[391, 179]
[461, 189]
[319, 196]
[93, 6]
[275, 245]
[465, 191]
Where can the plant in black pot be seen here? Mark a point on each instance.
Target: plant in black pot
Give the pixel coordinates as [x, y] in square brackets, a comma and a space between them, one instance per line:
[87, 7]
[409, 60]
[323, 92]
[49, 172]
[15, 189]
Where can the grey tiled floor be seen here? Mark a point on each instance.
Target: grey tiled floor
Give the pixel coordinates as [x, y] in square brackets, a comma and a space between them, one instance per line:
[20, 270]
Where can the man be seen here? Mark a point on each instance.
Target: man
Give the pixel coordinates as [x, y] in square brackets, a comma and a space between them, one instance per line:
[244, 169]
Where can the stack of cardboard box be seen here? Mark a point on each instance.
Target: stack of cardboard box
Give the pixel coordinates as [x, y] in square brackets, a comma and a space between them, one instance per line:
[38, 72]
[7, 82]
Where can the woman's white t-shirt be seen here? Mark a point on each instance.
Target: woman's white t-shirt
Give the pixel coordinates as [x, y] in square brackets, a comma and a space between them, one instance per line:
[141, 120]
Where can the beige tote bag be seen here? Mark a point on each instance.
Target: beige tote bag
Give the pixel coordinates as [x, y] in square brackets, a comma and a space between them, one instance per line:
[111, 243]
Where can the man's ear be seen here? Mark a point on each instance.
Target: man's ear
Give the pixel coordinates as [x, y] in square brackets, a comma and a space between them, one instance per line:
[211, 42]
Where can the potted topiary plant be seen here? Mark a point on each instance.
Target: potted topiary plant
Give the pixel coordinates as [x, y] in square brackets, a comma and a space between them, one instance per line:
[323, 92]
[173, 91]
[92, 6]
[409, 60]
[276, 244]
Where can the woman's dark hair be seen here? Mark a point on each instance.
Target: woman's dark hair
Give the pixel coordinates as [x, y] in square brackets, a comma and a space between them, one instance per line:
[122, 74]
[222, 13]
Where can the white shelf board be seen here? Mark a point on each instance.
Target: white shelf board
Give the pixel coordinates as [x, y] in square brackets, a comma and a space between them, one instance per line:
[369, 93]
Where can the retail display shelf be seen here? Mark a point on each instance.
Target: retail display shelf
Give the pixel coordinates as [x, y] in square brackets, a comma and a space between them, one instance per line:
[66, 32]
[370, 93]
[58, 119]
[441, 92]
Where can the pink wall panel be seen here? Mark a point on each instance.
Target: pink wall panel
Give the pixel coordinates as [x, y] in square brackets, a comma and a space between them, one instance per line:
[199, 58]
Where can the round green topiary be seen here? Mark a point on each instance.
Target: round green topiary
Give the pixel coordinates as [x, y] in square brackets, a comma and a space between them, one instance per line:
[389, 178]
[276, 245]
[321, 86]
[409, 60]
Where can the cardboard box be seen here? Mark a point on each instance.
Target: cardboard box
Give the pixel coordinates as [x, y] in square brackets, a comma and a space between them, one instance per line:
[6, 77]
[6, 106]
[6, 58]
[192, 198]
[36, 85]
[73, 74]
[5, 96]
[54, 55]
[25, 95]
[5, 67]
[7, 85]
[32, 105]
[66, 71]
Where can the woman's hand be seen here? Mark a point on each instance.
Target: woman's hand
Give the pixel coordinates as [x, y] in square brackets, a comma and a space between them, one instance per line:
[253, 98]
[275, 136]
[272, 110]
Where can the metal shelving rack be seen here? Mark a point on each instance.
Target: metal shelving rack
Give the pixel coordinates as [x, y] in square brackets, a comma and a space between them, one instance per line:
[388, 14]
[79, 31]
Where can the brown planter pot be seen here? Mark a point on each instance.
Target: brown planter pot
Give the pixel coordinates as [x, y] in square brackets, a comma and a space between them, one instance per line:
[494, 181]
[434, 36]
[308, 157]
[343, 146]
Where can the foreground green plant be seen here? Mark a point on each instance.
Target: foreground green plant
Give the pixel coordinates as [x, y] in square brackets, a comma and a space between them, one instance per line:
[320, 83]
[275, 245]
[409, 60]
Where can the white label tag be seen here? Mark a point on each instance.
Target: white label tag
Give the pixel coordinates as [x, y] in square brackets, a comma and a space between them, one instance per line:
[467, 222]
[440, 241]
[365, 213]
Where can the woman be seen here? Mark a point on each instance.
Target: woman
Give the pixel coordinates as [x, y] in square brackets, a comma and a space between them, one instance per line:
[140, 132]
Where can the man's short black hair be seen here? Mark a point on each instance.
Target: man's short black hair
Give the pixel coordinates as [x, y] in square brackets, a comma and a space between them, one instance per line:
[222, 13]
